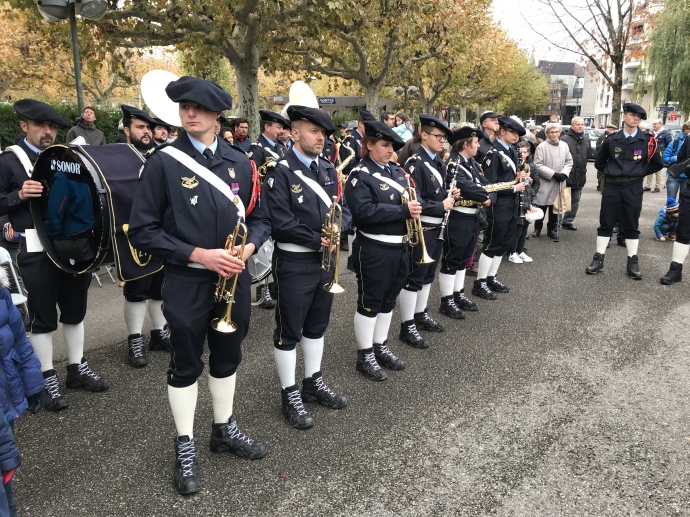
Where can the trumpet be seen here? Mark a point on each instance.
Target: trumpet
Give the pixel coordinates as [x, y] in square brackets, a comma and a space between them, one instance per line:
[334, 217]
[447, 214]
[415, 230]
[225, 324]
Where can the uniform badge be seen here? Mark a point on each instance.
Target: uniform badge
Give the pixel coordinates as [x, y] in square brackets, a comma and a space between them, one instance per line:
[328, 178]
[235, 200]
[235, 188]
[436, 192]
[488, 163]
[400, 178]
[637, 154]
[194, 200]
[433, 178]
[300, 199]
[190, 182]
[353, 182]
[616, 155]
[270, 182]
[296, 189]
[231, 172]
[392, 197]
[618, 149]
[384, 186]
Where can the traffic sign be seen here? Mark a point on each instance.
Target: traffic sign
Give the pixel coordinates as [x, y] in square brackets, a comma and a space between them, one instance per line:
[665, 108]
[673, 116]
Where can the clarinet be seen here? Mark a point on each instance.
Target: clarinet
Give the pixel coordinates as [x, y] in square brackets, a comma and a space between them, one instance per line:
[441, 235]
[521, 195]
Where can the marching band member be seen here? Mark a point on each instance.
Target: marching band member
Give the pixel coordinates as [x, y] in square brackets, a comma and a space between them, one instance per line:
[191, 195]
[626, 157]
[374, 192]
[144, 294]
[354, 139]
[47, 285]
[429, 173]
[299, 191]
[499, 166]
[460, 233]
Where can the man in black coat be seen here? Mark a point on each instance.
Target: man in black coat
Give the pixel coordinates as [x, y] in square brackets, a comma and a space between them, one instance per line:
[579, 144]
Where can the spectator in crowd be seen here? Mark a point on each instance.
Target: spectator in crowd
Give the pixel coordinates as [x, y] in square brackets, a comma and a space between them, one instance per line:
[86, 128]
[121, 138]
[410, 147]
[531, 135]
[388, 118]
[578, 143]
[242, 139]
[663, 137]
[226, 134]
[553, 162]
[402, 127]
[667, 221]
[673, 185]
[22, 387]
[517, 250]
[9, 461]
[553, 119]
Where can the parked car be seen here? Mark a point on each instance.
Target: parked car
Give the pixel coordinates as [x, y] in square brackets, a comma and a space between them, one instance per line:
[593, 135]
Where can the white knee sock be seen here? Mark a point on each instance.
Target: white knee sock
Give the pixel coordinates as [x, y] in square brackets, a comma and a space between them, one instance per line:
[155, 308]
[135, 312]
[222, 397]
[383, 323]
[483, 266]
[408, 303]
[495, 263]
[43, 348]
[422, 299]
[74, 339]
[602, 242]
[446, 283]
[312, 351]
[183, 406]
[286, 362]
[631, 245]
[364, 331]
[680, 251]
[459, 281]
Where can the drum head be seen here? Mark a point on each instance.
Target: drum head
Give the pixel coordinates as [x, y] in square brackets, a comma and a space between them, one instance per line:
[259, 264]
[71, 216]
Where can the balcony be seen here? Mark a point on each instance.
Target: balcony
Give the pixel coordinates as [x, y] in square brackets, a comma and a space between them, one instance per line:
[628, 83]
[631, 65]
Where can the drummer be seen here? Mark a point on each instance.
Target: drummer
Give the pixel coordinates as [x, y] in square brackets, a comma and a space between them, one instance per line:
[48, 286]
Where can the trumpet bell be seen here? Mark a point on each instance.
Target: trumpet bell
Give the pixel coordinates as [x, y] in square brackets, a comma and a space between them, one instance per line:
[334, 288]
[426, 259]
[224, 326]
[300, 95]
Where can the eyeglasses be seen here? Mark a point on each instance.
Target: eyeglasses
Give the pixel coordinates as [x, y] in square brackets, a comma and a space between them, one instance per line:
[439, 137]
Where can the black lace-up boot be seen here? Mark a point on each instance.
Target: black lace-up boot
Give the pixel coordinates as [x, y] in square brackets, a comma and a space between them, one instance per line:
[448, 308]
[634, 268]
[496, 286]
[366, 363]
[263, 292]
[227, 437]
[482, 290]
[315, 389]
[160, 340]
[386, 358]
[410, 335]
[186, 471]
[675, 274]
[596, 265]
[81, 376]
[55, 400]
[294, 410]
[426, 322]
[464, 303]
[136, 353]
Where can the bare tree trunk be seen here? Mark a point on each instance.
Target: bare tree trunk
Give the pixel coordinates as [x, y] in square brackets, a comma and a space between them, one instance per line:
[371, 93]
[617, 88]
[247, 77]
[5, 84]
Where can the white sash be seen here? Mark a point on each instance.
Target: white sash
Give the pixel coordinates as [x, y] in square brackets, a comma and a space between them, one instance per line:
[22, 157]
[207, 175]
[312, 184]
[509, 160]
[275, 155]
[469, 174]
[395, 185]
[436, 174]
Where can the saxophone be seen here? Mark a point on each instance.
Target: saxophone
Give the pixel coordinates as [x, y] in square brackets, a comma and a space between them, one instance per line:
[343, 163]
[494, 187]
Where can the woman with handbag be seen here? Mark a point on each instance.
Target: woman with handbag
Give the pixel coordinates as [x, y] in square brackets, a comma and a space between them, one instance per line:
[553, 162]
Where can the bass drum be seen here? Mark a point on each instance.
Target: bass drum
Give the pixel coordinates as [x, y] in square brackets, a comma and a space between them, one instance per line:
[83, 214]
[259, 264]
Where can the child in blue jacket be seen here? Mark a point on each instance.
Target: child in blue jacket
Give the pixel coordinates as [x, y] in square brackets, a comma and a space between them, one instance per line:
[667, 222]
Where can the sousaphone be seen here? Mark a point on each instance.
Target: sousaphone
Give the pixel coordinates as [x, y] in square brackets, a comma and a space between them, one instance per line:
[153, 86]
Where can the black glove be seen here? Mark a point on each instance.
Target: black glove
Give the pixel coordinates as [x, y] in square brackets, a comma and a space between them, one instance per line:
[559, 176]
[37, 401]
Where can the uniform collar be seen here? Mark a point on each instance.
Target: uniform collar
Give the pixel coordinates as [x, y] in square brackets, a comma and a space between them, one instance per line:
[429, 153]
[268, 140]
[31, 147]
[199, 146]
[305, 159]
[626, 135]
[506, 146]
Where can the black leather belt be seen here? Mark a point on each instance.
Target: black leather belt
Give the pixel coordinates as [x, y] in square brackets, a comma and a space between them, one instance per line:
[621, 179]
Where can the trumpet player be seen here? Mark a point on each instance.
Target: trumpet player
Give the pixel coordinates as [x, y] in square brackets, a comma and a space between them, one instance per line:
[462, 227]
[300, 191]
[429, 173]
[381, 209]
[500, 165]
[192, 194]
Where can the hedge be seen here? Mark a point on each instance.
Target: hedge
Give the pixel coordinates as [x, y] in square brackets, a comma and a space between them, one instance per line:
[106, 121]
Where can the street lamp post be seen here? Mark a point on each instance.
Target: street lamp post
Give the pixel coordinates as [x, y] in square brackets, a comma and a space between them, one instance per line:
[55, 11]
[410, 90]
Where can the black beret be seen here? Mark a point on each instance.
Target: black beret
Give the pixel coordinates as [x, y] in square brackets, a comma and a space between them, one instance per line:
[313, 115]
[381, 131]
[270, 116]
[428, 120]
[466, 132]
[162, 123]
[511, 123]
[629, 107]
[38, 111]
[131, 111]
[487, 114]
[205, 93]
[222, 118]
[366, 116]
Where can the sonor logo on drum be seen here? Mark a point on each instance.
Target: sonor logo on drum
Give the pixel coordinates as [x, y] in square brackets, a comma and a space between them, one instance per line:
[60, 166]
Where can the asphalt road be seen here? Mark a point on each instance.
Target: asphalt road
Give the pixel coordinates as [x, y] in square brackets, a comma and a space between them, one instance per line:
[566, 397]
